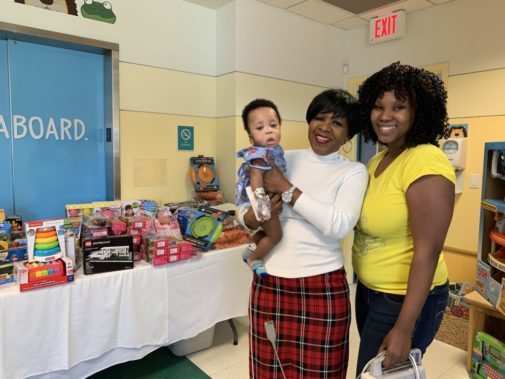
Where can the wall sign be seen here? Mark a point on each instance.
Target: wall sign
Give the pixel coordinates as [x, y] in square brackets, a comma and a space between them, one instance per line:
[387, 27]
[185, 138]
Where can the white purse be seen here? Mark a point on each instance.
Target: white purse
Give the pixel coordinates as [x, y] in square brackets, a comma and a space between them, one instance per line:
[411, 369]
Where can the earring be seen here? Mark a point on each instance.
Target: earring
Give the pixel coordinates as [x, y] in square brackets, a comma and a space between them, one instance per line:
[349, 147]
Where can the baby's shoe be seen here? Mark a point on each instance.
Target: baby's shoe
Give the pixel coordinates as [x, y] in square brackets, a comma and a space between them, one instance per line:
[258, 267]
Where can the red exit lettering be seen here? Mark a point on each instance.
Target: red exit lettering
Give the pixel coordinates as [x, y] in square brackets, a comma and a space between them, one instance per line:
[385, 26]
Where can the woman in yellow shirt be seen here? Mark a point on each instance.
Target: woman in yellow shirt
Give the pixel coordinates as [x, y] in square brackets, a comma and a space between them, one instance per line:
[402, 276]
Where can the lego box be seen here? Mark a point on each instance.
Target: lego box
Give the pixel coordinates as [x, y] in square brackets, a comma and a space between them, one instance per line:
[111, 253]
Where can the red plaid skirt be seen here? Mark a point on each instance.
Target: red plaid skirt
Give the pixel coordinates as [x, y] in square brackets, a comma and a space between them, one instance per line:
[311, 317]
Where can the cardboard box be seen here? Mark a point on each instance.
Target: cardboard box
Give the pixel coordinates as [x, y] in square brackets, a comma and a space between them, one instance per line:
[111, 253]
[454, 327]
[453, 331]
[45, 240]
[486, 285]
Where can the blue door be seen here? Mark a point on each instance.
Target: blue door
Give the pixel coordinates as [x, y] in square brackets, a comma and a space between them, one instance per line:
[6, 193]
[57, 140]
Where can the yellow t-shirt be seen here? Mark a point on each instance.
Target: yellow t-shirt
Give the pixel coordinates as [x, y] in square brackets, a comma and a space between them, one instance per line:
[383, 245]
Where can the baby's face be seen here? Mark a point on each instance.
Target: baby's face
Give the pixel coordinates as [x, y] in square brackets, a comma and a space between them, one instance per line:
[264, 127]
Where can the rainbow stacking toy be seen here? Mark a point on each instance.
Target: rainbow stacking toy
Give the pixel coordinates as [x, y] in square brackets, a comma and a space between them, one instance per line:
[46, 242]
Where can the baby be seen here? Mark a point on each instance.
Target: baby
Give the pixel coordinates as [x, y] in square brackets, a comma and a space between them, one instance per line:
[262, 122]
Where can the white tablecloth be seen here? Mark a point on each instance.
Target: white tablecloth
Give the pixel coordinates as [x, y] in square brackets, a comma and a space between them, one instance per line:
[76, 329]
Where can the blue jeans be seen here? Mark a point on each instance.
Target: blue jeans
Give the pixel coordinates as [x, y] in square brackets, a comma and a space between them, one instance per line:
[376, 314]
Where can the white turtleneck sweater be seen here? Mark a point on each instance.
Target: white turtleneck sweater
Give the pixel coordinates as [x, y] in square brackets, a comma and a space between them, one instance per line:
[332, 193]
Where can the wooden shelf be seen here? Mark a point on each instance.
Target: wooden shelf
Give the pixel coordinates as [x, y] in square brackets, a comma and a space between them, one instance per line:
[480, 308]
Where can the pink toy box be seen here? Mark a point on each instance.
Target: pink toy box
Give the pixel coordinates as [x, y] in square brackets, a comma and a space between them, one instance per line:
[173, 251]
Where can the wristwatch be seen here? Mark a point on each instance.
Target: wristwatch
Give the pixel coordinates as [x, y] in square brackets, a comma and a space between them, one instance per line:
[287, 196]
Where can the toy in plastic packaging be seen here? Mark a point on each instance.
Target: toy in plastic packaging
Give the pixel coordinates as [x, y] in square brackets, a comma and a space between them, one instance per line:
[201, 226]
[203, 174]
[488, 357]
[166, 224]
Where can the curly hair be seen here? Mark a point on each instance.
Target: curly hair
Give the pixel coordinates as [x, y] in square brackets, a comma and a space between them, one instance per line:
[339, 102]
[255, 104]
[423, 89]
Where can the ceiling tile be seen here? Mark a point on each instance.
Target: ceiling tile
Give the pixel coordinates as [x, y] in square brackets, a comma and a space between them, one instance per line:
[320, 11]
[406, 5]
[437, 2]
[282, 3]
[360, 6]
[350, 23]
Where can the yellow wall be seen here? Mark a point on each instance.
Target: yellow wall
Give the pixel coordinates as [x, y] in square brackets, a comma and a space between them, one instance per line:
[461, 265]
[154, 101]
[464, 230]
[475, 99]
[151, 166]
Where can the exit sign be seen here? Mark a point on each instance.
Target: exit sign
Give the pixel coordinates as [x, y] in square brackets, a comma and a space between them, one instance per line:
[387, 27]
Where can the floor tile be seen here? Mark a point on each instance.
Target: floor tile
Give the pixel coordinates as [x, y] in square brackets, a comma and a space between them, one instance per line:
[227, 361]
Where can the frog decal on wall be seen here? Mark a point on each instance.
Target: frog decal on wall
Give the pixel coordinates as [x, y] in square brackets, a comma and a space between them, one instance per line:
[98, 11]
[63, 6]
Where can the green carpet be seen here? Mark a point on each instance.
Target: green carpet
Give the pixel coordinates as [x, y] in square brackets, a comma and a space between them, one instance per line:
[159, 364]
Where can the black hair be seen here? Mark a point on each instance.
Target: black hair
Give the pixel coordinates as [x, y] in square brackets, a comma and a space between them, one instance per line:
[341, 104]
[423, 89]
[255, 104]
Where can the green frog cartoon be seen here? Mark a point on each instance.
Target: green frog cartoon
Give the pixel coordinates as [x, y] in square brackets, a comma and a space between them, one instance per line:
[98, 11]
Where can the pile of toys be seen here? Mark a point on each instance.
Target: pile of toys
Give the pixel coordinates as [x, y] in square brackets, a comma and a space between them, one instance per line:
[47, 263]
[490, 280]
[159, 235]
[112, 235]
[488, 357]
[12, 246]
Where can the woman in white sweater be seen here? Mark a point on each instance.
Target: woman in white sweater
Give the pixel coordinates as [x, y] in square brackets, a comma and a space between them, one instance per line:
[305, 298]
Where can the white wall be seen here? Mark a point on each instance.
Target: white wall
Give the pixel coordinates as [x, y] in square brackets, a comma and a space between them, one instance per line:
[252, 37]
[279, 44]
[466, 33]
[225, 39]
[161, 33]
